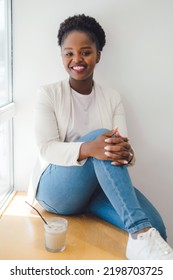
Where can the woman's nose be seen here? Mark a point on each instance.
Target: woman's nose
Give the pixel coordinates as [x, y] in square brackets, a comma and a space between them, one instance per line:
[77, 58]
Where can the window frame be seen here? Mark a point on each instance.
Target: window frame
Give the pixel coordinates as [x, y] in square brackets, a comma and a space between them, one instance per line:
[7, 110]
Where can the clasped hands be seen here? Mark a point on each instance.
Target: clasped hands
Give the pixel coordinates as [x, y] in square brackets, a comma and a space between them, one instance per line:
[114, 147]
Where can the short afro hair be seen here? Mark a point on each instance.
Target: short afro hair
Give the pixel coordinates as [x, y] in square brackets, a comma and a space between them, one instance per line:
[85, 24]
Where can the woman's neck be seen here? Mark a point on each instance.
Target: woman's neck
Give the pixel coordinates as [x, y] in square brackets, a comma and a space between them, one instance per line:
[83, 87]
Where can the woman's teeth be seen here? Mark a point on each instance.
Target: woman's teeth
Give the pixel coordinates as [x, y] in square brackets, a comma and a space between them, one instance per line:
[78, 68]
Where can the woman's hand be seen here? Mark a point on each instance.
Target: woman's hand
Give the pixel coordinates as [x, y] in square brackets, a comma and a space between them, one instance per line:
[105, 147]
[118, 149]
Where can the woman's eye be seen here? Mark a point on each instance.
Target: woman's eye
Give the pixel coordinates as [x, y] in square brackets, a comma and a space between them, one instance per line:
[68, 54]
[86, 53]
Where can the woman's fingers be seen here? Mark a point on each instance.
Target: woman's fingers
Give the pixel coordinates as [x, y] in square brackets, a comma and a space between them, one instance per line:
[118, 148]
[115, 140]
[118, 156]
[119, 162]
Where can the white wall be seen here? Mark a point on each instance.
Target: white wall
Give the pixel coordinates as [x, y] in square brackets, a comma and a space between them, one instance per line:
[137, 61]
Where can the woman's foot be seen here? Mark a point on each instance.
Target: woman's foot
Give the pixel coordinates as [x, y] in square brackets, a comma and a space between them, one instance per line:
[148, 245]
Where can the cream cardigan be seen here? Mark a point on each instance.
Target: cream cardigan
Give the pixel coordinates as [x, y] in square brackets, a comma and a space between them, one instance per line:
[52, 114]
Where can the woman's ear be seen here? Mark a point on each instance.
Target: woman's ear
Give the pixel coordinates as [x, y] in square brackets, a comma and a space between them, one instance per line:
[98, 57]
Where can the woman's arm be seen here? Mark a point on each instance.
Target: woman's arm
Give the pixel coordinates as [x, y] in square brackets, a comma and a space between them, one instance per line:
[111, 145]
[48, 137]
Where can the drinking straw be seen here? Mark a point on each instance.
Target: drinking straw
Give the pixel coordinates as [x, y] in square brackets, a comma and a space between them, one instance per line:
[37, 212]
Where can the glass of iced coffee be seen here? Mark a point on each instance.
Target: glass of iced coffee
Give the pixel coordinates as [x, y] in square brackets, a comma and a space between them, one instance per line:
[55, 234]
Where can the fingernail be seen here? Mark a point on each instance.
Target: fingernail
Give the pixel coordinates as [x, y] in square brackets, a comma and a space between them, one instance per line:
[125, 161]
[106, 153]
[107, 140]
[106, 148]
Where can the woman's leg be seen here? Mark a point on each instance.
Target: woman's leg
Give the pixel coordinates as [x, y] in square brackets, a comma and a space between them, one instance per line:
[101, 207]
[68, 190]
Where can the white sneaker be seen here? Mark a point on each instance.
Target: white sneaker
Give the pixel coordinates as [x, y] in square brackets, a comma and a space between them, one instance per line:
[149, 245]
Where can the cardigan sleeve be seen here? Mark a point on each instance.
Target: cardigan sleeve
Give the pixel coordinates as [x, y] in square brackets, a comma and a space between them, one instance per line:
[51, 147]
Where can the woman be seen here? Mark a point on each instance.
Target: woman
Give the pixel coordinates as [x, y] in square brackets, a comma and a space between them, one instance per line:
[84, 150]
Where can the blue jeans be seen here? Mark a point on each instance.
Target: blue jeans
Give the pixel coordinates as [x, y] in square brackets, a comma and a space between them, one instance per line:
[100, 188]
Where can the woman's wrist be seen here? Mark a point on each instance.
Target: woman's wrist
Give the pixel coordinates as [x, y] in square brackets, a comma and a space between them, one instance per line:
[85, 150]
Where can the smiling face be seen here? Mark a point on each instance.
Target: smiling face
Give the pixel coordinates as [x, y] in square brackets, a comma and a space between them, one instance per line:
[79, 55]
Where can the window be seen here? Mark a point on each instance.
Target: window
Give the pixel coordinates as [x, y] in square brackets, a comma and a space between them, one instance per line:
[6, 102]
